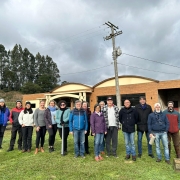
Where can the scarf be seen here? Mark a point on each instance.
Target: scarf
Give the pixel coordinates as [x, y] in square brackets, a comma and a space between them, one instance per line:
[144, 106]
[98, 113]
[61, 119]
[3, 109]
[52, 108]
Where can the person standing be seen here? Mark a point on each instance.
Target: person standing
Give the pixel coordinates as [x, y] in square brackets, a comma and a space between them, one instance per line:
[88, 112]
[4, 118]
[62, 119]
[143, 111]
[111, 114]
[26, 121]
[51, 126]
[174, 126]
[158, 126]
[16, 127]
[78, 126]
[128, 117]
[40, 126]
[98, 128]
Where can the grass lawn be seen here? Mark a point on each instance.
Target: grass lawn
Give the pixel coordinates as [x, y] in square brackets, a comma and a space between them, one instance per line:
[24, 166]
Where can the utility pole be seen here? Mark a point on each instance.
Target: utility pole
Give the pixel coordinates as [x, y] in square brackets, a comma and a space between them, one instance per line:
[116, 52]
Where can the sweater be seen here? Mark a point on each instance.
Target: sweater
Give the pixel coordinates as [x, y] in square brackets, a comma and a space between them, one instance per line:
[14, 116]
[157, 123]
[143, 113]
[174, 120]
[4, 116]
[26, 119]
[65, 117]
[78, 120]
[98, 124]
[39, 118]
[128, 117]
[49, 117]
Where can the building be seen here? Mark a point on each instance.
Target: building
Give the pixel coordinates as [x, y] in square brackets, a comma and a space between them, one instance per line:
[131, 87]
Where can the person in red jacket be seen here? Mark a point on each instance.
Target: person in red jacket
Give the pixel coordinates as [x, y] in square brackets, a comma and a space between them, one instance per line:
[173, 132]
[16, 127]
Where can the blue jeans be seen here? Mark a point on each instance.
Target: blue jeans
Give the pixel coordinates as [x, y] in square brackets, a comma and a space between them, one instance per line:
[98, 143]
[129, 143]
[139, 142]
[79, 137]
[102, 146]
[163, 137]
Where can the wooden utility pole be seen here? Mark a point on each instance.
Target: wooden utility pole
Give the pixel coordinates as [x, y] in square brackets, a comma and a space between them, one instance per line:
[116, 52]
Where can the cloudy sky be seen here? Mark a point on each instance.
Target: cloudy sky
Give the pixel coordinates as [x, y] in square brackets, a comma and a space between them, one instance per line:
[72, 32]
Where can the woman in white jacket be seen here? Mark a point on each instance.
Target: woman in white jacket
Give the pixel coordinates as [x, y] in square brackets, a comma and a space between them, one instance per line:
[27, 123]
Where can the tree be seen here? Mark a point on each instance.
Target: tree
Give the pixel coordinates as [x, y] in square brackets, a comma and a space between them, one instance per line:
[31, 88]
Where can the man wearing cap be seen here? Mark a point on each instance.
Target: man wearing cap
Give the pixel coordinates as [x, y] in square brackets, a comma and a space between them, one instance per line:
[174, 126]
[16, 127]
[4, 118]
[143, 111]
[111, 115]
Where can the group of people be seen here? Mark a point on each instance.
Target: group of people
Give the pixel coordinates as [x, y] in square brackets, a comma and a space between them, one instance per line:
[105, 123]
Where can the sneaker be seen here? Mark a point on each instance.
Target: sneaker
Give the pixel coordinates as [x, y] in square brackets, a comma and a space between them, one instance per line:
[10, 149]
[23, 151]
[0, 147]
[134, 158]
[28, 150]
[139, 155]
[97, 158]
[102, 152]
[151, 155]
[83, 157]
[158, 160]
[50, 149]
[100, 158]
[115, 155]
[75, 156]
[127, 157]
[167, 161]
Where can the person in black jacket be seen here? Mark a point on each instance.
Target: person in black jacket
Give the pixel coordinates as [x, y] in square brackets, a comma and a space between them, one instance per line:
[128, 118]
[143, 110]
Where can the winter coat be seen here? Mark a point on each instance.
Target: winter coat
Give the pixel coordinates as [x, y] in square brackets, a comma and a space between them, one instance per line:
[26, 119]
[105, 113]
[142, 124]
[157, 123]
[14, 114]
[174, 120]
[5, 117]
[65, 117]
[128, 118]
[98, 124]
[78, 120]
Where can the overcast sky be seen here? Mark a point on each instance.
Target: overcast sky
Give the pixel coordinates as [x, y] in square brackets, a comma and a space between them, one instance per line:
[72, 32]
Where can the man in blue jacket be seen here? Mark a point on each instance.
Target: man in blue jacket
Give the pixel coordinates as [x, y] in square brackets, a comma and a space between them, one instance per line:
[78, 126]
[158, 126]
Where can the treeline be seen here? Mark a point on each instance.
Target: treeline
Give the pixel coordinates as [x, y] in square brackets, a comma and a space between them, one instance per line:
[21, 71]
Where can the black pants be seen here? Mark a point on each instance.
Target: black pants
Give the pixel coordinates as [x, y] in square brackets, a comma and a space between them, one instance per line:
[2, 129]
[66, 133]
[52, 134]
[40, 136]
[14, 131]
[86, 143]
[27, 137]
[112, 135]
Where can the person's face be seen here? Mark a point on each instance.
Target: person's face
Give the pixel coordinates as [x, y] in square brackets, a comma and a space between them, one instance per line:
[42, 104]
[62, 105]
[52, 104]
[127, 103]
[28, 106]
[170, 105]
[109, 102]
[78, 105]
[142, 101]
[101, 104]
[1, 104]
[157, 108]
[97, 109]
[18, 104]
[84, 106]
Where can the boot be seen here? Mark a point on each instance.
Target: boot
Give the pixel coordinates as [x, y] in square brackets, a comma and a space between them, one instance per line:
[42, 150]
[177, 151]
[11, 148]
[36, 151]
[169, 147]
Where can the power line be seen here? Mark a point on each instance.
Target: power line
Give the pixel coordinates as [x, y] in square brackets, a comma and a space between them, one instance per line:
[150, 60]
[147, 69]
[86, 70]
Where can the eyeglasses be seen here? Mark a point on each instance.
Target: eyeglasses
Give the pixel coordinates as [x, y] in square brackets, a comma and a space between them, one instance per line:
[62, 104]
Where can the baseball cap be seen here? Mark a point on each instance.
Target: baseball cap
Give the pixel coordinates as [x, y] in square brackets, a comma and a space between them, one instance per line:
[109, 98]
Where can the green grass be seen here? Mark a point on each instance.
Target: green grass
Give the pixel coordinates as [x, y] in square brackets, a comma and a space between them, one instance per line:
[23, 166]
